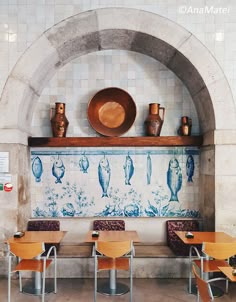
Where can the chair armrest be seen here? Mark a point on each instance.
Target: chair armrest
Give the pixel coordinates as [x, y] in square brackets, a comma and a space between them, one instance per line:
[52, 248]
[93, 251]
[193, 248]
[133, 251]
[216, 279]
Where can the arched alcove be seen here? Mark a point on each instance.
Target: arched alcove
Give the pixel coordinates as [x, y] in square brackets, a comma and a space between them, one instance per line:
[128, 29]
[118, 28]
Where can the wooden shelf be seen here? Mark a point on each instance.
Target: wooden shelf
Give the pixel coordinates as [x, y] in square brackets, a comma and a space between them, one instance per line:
[141, 141]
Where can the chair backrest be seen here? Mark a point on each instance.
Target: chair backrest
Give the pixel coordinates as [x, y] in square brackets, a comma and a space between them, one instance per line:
[109, 225]
[204, 288]
[26, 250]
[220, 251]
[113, 249]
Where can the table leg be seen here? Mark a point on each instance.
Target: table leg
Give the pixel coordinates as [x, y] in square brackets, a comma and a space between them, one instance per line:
[112, 288]
[33, 287]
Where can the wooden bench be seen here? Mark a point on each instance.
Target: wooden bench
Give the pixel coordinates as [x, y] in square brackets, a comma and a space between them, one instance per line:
[172, 248]
[142, 250]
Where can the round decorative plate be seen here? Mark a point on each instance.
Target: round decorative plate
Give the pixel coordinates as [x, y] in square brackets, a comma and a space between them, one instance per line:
[111, 111]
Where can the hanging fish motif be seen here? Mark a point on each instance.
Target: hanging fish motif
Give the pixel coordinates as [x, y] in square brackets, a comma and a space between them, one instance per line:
[149, 169]
[174, 179]
[37, 168]
[129, 169]
[84, 164]
[190, 168]
[58, 169]
[104, 174]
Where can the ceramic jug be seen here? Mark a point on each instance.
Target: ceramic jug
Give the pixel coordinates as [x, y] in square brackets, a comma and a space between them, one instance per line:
[186, 126]
[154, 121]
[59, 122]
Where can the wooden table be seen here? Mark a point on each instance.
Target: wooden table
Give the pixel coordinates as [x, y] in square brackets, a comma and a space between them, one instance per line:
[51, 237]
[113, 236]
[199, 238]
[40, 236]
[228, 273]
[113, 288]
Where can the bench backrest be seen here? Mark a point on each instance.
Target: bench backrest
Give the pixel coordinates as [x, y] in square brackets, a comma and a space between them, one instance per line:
[109, 225]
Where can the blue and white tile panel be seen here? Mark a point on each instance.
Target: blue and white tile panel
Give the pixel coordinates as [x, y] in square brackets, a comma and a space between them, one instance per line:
[130, 182]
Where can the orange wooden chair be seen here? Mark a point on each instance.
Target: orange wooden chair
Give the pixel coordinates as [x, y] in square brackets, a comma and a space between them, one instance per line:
[204, 288]
[30, 259]
[113, 255]
[213, 256]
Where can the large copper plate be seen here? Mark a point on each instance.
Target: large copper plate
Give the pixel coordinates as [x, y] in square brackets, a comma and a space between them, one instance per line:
[111, 112]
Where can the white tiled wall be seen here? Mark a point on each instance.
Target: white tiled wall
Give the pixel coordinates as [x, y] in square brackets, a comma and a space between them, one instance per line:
[144, 78]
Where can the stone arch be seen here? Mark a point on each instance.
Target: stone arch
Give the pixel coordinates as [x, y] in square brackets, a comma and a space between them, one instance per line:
[119, 28]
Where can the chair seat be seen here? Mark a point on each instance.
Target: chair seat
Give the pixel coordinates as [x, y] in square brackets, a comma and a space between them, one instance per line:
[31, 265]
[211, 265]
[110, 263]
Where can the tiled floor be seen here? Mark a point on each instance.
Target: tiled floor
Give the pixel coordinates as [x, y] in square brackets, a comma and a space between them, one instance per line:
[147, 290]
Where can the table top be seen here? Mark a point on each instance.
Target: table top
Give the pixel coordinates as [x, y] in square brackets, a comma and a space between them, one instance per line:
[228, 272]
[113, 236]
[40, 236]
[200, 237]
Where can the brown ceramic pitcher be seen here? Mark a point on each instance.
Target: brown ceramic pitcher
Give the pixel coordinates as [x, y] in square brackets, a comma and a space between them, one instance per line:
[59, 122]
[154, 121]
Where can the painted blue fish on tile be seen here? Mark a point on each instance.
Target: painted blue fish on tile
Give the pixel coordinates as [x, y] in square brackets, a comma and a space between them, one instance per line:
[129, 169]
[104, 174]
[58, 169]
[149, 169]
[37, 168]
[190, 168]
[174, 179]
[84, 164]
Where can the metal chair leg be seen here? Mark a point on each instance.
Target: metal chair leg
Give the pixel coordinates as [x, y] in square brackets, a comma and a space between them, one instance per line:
[95, 279]
[131, 280]
[55, 274]
[9, 280]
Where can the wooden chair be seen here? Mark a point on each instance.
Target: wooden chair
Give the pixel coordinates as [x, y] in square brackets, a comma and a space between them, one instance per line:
[204, 288]
[30, 259]
[213, 256]
[113, 255]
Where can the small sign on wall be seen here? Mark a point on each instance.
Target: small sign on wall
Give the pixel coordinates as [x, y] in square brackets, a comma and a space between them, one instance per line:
[5, 182]
[4, 162]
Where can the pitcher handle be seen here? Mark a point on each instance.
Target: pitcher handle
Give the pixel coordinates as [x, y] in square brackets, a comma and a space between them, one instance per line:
[163, 112]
